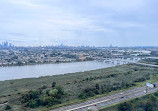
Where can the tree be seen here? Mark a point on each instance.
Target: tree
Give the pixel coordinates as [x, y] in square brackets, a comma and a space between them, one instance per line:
[81, 96]
[125, 106]
[148, 106]
[97, 86]
[43, 87]
[60, 90]
[53, 92]
[31, 95]
[53, 84]
[34, 99]
[102, 90]
[7, 107]
[33, 104]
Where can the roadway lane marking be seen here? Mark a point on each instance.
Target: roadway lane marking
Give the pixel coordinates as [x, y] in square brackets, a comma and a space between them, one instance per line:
[150, 65]
[88, 105]
[106, 100]
[112, 98]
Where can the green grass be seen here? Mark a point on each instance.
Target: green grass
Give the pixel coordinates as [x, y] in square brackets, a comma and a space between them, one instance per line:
[75, 83]
[112, 108]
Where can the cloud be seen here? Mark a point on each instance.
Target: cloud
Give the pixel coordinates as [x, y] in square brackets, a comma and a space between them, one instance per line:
[120, 5]
[80, 22]
[25, 3]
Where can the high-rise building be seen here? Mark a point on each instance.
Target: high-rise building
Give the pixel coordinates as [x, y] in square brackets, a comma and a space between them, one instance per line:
[6, 44]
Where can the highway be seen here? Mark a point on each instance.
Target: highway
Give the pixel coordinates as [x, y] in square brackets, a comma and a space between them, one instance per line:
[147, 65]
[108, 100]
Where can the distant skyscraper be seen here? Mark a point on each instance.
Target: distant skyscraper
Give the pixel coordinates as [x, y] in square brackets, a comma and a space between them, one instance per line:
[10, 44]
[6, 44]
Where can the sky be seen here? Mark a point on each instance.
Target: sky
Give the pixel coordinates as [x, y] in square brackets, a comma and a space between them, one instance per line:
[79, 22]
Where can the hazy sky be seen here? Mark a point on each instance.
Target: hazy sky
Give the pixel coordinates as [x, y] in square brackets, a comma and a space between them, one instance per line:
[78, 22]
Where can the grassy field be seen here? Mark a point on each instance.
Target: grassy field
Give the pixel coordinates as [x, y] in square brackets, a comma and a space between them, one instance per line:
[110, 80]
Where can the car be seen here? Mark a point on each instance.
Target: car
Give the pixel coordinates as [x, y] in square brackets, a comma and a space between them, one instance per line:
[144, 91]
[89, 108]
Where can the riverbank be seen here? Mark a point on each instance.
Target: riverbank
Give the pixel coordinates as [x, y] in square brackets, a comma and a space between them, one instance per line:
[31, 71]
[9, 65]
[109, 80]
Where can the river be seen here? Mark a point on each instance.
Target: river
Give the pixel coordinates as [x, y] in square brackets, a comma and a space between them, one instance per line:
[29, 71]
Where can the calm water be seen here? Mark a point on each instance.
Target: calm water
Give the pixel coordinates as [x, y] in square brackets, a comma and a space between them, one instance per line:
[18, 72]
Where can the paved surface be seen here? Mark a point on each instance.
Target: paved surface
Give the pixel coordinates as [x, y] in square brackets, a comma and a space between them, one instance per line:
[108, 100]
[147, 65]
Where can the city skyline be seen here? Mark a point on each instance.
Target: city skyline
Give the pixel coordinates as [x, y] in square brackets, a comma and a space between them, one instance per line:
[9, 44]
[6, 44]
[75, 23]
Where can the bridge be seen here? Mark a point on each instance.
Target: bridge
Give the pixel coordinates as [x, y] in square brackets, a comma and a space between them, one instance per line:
[125, 61]
[116, 61]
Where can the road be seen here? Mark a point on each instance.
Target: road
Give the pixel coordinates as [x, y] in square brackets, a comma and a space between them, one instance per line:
[108, 100]
[147, 65]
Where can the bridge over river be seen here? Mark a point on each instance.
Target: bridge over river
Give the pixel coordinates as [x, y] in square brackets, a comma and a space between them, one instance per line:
[117, 61]
[125, 61]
